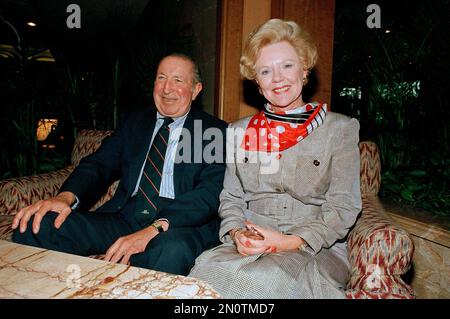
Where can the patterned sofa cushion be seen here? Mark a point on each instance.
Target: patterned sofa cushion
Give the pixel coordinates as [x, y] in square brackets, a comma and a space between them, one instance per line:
[87, 142]
[16, 193]
[379, 252]
[5, 227]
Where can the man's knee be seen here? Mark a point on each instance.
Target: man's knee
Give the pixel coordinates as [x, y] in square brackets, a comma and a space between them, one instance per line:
[168, 254]
[30, 238]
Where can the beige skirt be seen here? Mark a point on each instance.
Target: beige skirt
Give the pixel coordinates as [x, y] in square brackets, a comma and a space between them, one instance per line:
[286, 275]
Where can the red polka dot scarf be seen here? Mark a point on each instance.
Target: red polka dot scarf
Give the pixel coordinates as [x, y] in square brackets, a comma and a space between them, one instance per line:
[270, 131]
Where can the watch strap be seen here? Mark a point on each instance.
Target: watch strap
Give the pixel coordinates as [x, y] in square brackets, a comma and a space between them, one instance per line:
[158, 226]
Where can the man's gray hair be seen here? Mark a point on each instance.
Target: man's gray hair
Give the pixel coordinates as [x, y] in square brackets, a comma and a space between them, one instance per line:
[196, 71]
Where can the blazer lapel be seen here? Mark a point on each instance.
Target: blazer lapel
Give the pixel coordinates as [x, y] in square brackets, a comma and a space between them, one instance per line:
[139, 142]
[178, 169]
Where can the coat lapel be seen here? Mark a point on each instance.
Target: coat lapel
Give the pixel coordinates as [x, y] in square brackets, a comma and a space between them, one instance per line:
[178, 170]
[139, 142]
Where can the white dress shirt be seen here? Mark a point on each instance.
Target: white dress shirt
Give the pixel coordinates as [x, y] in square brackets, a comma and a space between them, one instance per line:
[167, 188]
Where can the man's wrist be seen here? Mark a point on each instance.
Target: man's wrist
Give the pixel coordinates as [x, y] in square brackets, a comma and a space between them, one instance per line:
[164, 223]
[157, 225]
[70, 198]
[161, 225]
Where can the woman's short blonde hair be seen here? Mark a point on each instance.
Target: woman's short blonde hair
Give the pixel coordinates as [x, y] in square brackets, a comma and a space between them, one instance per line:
[274, 31]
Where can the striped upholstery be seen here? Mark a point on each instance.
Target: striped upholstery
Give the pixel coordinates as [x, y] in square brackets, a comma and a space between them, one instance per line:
[379, 250]
[16, 193]
[370, 168]
[5, 227]
[87, 142]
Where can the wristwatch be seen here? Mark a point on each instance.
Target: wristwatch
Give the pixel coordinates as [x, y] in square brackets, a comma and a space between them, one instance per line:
[75, 204]
[158, 226]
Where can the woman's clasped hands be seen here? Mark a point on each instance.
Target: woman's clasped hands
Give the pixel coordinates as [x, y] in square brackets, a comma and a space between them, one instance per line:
[255, 239]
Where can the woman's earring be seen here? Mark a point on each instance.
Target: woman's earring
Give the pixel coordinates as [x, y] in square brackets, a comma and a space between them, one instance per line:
[305, 80]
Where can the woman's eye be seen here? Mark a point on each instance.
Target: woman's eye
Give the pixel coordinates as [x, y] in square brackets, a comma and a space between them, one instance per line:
[264, 72]
[288, 65]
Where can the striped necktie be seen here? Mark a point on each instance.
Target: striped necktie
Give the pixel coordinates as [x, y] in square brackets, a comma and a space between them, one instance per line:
[149, 187]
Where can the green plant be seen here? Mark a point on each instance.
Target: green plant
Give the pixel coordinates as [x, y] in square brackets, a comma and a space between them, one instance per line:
[394, 80]
[22, 107]
[426, 187]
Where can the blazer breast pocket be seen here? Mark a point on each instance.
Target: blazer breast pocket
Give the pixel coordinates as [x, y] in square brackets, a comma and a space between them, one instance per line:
[312, 175]
[248, 167]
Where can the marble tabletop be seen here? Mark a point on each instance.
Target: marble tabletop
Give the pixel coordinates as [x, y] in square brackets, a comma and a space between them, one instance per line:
[29, 272]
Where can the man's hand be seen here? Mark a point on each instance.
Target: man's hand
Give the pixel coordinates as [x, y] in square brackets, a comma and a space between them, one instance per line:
[59, 204]
[126, 246]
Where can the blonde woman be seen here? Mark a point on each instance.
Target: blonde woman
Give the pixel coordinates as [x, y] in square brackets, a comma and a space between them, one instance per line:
[291, 189]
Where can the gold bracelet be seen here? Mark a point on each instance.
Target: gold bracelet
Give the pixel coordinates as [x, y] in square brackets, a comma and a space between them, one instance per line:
[302, 246]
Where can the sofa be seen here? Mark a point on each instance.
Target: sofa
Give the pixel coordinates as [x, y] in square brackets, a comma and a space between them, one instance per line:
[379, 250]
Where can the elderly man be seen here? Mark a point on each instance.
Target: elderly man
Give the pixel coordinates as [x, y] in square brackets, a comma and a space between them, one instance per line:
[164, 212]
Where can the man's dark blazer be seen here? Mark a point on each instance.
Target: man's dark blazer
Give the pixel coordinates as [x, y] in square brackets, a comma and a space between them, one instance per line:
[197, 185]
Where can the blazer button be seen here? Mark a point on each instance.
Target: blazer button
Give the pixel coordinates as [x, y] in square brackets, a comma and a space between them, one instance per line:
[316, 162]
[278, 189]
[245, 159]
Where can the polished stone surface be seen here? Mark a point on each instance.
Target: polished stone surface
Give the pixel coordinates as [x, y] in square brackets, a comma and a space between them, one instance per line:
[431, 259]
[29, 272]
[431, 264]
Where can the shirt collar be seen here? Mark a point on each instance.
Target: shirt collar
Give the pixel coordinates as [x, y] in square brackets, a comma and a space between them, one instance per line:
[159, 116]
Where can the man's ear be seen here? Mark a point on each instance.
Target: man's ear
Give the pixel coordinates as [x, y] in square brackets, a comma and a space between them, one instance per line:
[197, 88]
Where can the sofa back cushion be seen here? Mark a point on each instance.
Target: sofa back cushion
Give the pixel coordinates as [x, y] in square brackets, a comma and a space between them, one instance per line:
[87, 142]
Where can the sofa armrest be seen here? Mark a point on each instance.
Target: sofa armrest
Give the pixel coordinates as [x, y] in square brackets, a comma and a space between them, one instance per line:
[16, 193]
[379, 253]
[370, 168]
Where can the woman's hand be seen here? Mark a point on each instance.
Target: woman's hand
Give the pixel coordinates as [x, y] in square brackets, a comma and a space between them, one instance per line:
[248, 242]
[274, 241]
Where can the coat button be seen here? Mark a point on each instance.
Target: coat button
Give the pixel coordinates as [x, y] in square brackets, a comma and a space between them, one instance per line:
[245, 159]
[316, 162]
